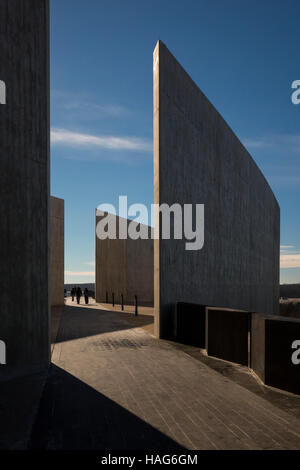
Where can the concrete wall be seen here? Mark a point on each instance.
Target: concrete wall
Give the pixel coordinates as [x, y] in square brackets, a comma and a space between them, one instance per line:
[124, 266]
[199, 160]
[271, 351]
[24, 185]
[57, 251]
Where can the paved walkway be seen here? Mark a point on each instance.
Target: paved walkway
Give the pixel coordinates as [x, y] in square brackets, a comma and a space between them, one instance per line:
[114, 386]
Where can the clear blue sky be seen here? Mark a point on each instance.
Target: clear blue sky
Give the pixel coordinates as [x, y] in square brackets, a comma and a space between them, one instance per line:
[243, 55]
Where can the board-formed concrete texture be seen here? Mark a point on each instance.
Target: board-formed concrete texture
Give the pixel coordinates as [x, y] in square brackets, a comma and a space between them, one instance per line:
[199, 160]
[57, 251]
[227, 334]
[124, 266]
[272, 341]
[24, 183]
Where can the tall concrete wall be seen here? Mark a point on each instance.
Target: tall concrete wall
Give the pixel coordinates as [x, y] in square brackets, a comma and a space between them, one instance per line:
[199, 160]
[124, 267]
[24, 185]
[57, 251]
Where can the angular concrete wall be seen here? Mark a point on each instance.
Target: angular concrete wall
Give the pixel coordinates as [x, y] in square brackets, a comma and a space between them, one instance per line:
[57, 251]
[124, 267]
[24, 185]
[199, 160]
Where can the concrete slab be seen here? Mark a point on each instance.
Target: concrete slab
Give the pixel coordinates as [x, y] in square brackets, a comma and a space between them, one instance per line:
[227, 334]
[24, 183]
[190, 324]
[272, 338]
[57, 251]
[124, 266]
[199, 160]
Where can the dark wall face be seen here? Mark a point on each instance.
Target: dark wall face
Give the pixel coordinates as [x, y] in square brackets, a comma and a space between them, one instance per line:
[24, 184]
[190, 324]
[199, 160]
[227, 335]
[280, 371]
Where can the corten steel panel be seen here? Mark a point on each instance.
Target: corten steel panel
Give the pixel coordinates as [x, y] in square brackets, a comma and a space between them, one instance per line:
[273, 340]
[24, 185]
[199, 160]
[124, 267]
[190, 324]
[227, 334]
[57, 229]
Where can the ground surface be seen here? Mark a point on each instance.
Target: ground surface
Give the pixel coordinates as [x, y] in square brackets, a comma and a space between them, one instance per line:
[112, 385]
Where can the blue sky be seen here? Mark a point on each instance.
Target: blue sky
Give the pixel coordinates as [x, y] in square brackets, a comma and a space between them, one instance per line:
[244, 55]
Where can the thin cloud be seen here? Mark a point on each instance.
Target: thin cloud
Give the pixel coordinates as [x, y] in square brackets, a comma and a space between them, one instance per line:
[289, 143]
[257, 144]
[79, 273]
[90, 263]
[290, 261]
[66, 138]
[85, 106]
[289, 256]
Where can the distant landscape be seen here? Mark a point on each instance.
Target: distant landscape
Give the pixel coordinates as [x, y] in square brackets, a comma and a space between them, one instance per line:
[292, 291]
[90, 286]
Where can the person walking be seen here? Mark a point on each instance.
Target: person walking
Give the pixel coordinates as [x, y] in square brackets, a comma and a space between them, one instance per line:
[86, 295]
[78, 294]
[73, 293]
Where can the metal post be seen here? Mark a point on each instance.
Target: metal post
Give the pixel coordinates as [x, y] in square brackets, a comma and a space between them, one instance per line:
[122, 302]
[136, 305]
[113, 299]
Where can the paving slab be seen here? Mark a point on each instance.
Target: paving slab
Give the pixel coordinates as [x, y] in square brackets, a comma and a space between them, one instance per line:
[113, 386]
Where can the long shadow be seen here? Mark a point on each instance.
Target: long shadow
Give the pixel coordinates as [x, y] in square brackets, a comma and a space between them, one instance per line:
[74, 416]
[81, 322]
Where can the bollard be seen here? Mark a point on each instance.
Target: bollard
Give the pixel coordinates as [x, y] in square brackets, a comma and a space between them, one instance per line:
[113, 299]
[136, 305]
[106, 297]
[122, 302]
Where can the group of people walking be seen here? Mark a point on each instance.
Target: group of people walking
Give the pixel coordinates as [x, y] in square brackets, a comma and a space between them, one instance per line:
[77, 292]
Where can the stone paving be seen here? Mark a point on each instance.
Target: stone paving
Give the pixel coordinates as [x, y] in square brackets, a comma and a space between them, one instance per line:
[113, 386]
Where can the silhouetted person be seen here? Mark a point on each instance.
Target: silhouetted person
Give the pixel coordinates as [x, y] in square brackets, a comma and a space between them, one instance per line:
[73, 293]
[86, 295]
[78, 294]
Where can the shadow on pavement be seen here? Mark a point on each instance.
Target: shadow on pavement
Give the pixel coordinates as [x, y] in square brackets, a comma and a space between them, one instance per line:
[81, 322]
[74, 416]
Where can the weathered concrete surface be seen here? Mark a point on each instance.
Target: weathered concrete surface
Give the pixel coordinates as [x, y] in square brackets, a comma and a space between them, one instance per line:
[57, 251]
[199, 160]
[227, 334]
[24, 185]
[271, 345]
[124, 267]
[113, 386]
